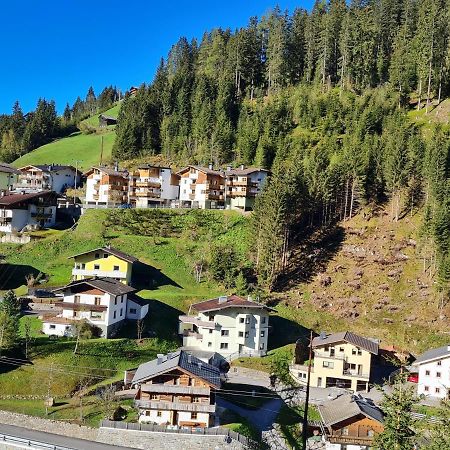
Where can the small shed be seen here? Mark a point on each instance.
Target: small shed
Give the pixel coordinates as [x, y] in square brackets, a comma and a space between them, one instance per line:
[104, 121]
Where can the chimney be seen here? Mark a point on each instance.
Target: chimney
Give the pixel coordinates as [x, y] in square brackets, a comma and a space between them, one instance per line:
[228, 168]
[210, 166]
[223, 299]
[242, 167]
[249, 298]
[159, 358]
[323, 335]
[199, 365]
[116, 166]
[189, 359]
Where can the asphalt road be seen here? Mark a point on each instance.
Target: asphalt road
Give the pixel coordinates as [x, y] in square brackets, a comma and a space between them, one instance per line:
[56, 439]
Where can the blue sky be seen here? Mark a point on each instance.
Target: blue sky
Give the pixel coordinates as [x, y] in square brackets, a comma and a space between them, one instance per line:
[57, 48]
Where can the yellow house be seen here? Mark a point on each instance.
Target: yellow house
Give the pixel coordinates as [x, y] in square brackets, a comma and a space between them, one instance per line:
[8, 176]
[103, 262]
[341, 360]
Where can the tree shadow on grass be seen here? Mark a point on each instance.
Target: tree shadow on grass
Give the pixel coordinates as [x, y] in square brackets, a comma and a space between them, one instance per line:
[149, 277]
[285, 331]
[13, 276]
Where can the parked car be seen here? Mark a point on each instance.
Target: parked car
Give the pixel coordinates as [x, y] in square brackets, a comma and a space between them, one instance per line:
[413, 377]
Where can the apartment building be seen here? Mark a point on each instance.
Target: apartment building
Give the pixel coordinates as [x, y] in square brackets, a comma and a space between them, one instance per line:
[340, 360]
[8, 176]
[201, 187]
[242, 186]
[106, 187]
[51, 177]
[434, 372]
[231, 326]
[18, 210]
[176, 390]
[103, 262]
[350, 422]
[103, 302]
[151, 186]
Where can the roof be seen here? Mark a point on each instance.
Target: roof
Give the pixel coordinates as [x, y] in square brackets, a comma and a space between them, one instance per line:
[152, 166]
[247, 171]
[347, 336]
[108, 170]
[435, 353]
[181, 360]
[108, 117]
[349, 406]
[111, 251]
[11, 199]
[230, 301]
[202, 169]
[104, 284]
[138, 300]
[48, 167]
[7, 168]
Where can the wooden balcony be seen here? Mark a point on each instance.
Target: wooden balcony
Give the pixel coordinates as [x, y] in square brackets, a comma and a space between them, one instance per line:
[147, 184]
[198, 322]
[174, 389]
[349, 440]
[147, 194]
[81, 306]
[215, 197]
[175, 406]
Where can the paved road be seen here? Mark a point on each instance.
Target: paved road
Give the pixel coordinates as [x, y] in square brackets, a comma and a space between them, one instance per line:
[55, 439]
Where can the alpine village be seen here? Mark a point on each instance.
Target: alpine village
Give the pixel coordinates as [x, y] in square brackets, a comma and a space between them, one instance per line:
[249, 250]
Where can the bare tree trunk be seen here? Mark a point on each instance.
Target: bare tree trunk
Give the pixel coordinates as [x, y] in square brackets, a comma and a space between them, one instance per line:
[346, 200]
[352, 197]
[419, 103]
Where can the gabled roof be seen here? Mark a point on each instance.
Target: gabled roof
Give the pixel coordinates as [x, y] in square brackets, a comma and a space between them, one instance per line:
[48, 167]
[228, 301]
[201, 169]
[104, 284]
[107, 170]
[11, 199]
[348, 406]
[7, 168]
[138, 300]
[349, 337]
[435, 353]
[111, 251]
[181, 360]
[247, 171]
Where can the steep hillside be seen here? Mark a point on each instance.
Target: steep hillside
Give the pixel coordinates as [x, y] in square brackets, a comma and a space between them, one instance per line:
[86, 148]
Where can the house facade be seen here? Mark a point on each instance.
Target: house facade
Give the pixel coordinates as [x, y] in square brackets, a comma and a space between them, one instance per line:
[350, 422]
[152, 186]
[242, 186]
[201, 187]
[341, 360]
[103, 262]
[8, 176]
[106, 187]
[52, 177]
[18, 210]
[103, 302]
[434, 372]
[176, 390]
[231, 326]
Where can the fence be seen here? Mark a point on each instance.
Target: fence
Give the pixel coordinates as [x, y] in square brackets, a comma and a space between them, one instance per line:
[16, 441]
[216, 431]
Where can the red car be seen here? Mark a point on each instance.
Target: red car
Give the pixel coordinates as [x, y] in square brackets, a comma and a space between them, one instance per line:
[413, 377]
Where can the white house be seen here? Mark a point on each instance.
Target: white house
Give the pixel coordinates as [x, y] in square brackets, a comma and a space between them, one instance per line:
[434, 372]
[103, 302]
[17, 210]
[150, 186]
[231, 326]
[52, 177]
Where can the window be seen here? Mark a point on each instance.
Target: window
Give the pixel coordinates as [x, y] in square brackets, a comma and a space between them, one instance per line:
[121, 312]
[241, 320]
[326, 348]
[105, 255]
[97, 255]
[263, 333]
[52, 327]
[211, 318]
[341, 349]
[427, 372]
[158, 414]
[247, 320]
[96, 267]
[224, 346]
[115, 301]
[83, 266]
[193, 415]
[353, 351]
[319, 382]
[439, 363]
[438, 374]
[225, 333]
[241, 334]
[96, 315]
[114, 315]
[328, 364]
[153, 397]
[261, 346]
[345, 431]
[437, 390]
[426, 388]
[97, 300]
[210, 331]
[209, 344]
[359, 352]
[263, 319]
[133, 311]
[76, 299]
[246, 334]
[122, 298]
[116, 268]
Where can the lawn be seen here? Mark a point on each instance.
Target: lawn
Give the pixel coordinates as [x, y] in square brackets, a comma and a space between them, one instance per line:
[93, 121]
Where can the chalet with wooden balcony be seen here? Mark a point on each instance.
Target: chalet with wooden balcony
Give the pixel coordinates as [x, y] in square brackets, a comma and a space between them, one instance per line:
[230, 326]
[35, 209]
[341, 360]
[103, 302]
[8, 176]
[106, 187]
[50, 177]
[242, 186]
[152, 186]
[351, 421]
[202, 187]
[176, 389]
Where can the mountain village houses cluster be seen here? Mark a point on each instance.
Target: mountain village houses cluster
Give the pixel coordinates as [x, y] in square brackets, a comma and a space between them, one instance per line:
[180, 389]
[29, 195]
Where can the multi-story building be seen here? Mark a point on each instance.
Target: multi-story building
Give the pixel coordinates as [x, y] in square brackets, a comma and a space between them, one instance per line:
[242, 186]
[350, 422]
[8, 176]
[434, 372]
[340, 360]
[18, 210]
[106, 187]
[176, 389]
[103, 302]
[229, 325]
[201, 187]
[152, 186]
[103, 262]
[51, 177]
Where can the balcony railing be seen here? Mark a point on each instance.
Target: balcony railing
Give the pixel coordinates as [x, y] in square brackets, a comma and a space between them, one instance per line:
[148, 184]
[355, 373]
[187, 333]
[99, 273]
[320, 354]
[198, 322]
[357, 440]
[81, 306]
[175, 406]
[175, 389]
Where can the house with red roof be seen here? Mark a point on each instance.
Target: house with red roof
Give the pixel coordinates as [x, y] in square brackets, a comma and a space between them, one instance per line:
[229, 325]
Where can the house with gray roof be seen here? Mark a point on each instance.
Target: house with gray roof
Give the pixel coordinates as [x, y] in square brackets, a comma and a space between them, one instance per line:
[433, 367]
[50, 177]
[176, 389]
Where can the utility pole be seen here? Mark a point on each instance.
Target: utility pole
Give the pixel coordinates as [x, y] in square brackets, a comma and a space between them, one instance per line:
[49, 385]
[76, 170]
[305, 413]
[101, 150]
